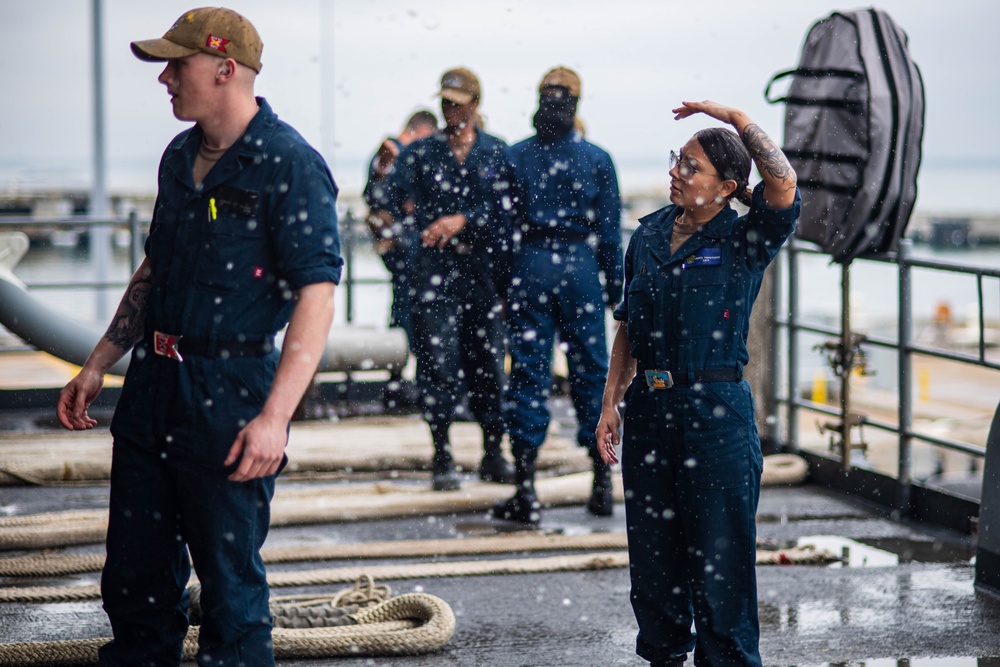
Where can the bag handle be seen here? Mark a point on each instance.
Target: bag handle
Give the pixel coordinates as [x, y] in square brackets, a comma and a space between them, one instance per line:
[811, 74]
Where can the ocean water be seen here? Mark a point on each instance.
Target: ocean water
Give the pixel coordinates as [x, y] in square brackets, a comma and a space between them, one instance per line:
[944, 189]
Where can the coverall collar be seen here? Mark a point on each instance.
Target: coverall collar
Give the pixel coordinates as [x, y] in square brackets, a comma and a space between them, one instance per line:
[180, 154]
[658, 226]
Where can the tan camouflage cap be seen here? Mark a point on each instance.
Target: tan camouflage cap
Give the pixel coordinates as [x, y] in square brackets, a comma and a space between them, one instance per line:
[214, 30]
[459, 85]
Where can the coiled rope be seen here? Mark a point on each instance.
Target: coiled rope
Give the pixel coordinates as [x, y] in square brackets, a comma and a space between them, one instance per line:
[374, 625]
[782, 469]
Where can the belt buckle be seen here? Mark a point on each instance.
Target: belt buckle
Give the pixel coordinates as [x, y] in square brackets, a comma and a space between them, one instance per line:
[165, 345]
[659, 379]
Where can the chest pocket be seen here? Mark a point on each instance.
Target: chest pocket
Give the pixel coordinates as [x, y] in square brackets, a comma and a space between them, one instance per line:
[234, 248]
[705, 311]
[642, 323]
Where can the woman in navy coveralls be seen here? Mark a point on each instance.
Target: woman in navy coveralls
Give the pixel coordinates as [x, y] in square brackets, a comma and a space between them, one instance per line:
[691, 459]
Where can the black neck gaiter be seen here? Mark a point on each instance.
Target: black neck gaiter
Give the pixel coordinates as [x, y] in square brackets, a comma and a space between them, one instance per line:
[554, 117]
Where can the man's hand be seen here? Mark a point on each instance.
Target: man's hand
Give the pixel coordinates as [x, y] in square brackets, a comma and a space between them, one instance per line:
[259, 447]
[444, 229]
[75, 399]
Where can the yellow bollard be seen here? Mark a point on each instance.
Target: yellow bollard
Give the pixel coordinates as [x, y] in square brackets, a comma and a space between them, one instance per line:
[819, 388]
[924, 380]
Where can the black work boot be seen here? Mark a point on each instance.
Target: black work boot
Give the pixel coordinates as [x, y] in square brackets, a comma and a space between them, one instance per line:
[601, 502]
[524, 506]
[443, 475]
[494, 467]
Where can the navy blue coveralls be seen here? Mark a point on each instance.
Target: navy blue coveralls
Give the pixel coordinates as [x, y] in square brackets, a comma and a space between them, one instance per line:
[226, 259]
[458, 333]
[399, 258]
[569, 224]
[691, 459]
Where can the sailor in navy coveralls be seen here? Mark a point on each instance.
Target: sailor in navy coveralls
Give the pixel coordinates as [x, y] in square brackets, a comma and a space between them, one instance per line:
[455, 189]
[691, 459]
[243, 241]
[569, 230]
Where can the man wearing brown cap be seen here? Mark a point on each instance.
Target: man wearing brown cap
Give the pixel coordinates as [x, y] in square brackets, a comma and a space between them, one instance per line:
[568, 233]
[243, 241]
[459, 183]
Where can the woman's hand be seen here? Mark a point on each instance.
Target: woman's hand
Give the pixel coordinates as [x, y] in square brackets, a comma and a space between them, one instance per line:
[720, 112]
[607, 434]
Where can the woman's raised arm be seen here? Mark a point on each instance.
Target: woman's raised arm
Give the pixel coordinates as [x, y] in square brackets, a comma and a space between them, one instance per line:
[778, 175]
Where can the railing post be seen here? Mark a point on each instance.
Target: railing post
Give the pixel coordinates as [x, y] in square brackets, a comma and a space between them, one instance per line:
[793, 349]
[347, 245]
[904, 475]
[847, 365]
[772, 422]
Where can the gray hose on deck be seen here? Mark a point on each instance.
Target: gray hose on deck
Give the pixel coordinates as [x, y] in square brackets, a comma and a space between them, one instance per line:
[347, 349]
[37, 324]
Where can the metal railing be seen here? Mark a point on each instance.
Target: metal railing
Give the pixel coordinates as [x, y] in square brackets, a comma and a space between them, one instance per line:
[352, 229]
[848, 344]
[84, 224]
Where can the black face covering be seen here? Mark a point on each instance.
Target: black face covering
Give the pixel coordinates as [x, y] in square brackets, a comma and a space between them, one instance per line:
[555, 114]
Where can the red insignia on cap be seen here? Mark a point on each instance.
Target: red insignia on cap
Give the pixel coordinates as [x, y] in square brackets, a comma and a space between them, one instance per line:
[216, 43]
[258, 272]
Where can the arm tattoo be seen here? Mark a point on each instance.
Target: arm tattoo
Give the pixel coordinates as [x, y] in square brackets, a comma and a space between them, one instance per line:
[768, 157]
[128, 323]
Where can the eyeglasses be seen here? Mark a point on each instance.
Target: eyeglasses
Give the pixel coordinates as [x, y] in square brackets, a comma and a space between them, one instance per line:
[685, 169]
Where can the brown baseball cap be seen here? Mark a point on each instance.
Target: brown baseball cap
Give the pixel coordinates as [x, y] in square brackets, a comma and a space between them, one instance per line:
[561, 76]
[214, 30]
[459, 85]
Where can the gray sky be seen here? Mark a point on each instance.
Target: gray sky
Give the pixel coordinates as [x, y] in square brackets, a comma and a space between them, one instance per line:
[347, 72]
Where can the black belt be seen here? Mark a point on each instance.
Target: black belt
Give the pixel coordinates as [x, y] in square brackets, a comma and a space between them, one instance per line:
[657, 379]
[178, 347]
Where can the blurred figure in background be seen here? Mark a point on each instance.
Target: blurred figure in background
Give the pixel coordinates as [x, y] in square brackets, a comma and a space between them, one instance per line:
[567, 234]
[454, 189]
[395, 243]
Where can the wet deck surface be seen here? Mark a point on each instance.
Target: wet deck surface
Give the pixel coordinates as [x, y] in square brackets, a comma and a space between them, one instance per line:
[907, 594]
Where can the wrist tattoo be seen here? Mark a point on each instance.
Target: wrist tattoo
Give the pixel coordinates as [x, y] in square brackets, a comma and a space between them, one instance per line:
[768, 157]
[128, 323]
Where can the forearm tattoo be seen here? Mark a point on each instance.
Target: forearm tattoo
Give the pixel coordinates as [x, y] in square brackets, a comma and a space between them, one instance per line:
[127, 326]
[768, 157]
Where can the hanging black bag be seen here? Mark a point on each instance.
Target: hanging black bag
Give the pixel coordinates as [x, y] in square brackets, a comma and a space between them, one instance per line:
[854, 120]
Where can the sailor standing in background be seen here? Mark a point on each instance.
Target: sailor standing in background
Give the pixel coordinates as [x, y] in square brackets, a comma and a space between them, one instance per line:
[394, 243]
[454, 187]
[568, 233]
